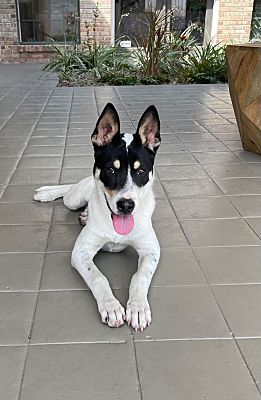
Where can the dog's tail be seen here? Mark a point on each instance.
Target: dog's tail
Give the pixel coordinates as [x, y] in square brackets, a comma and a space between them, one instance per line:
[50, 193]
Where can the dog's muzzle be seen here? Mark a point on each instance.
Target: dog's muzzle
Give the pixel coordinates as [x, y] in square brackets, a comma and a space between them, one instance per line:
[125, 206]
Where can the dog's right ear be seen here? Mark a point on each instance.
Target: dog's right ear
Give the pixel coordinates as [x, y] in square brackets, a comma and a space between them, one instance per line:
[107, 128]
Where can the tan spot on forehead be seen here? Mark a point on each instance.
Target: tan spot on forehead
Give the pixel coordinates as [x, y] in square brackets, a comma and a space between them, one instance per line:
[111, 192]
[136, 165]
[117, 164]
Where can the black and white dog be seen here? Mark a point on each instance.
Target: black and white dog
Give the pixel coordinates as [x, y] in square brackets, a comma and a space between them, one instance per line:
[120, 204]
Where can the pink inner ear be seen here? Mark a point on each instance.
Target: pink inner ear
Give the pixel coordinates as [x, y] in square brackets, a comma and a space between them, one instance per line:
[106, 130]
[150, 131]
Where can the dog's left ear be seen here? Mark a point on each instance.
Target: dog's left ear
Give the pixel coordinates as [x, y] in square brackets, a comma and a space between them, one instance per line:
[107, 128]
[149, 129]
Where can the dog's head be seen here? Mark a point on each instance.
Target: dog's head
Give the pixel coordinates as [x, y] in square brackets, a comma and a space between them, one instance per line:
[124, 163]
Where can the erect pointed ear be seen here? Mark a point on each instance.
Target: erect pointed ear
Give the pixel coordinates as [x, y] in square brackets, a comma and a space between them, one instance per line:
[107, 127]
[149, 129]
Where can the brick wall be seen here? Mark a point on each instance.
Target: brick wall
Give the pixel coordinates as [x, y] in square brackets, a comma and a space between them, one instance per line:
[12, 51]
[234, 21]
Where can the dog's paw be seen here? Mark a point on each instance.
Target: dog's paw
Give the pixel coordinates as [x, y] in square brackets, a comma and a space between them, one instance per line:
[112, 312]
[83, 217]
[45, 193]
[138, 313]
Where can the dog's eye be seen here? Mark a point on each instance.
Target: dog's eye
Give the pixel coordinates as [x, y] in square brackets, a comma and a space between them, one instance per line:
[141, 171]
[110, 170]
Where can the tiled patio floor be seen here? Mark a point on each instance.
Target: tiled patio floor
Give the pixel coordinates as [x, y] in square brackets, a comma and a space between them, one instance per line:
[205, 339]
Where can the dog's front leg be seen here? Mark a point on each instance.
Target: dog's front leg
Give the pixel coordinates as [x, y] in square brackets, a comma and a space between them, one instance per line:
[138, 313]
[112, 313]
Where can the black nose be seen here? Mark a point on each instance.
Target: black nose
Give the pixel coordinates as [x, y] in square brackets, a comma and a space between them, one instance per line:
[125, 206]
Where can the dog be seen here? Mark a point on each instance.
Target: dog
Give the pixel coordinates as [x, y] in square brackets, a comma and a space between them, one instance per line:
[119, 202]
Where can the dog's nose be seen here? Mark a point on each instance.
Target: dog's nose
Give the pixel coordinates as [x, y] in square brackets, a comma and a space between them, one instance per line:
[125, 206]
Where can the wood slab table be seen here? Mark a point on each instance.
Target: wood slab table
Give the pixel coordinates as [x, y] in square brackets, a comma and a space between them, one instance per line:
[244, 78]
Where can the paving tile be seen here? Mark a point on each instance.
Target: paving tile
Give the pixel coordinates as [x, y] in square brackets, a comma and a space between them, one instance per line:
[248, 157]
[16, 312]
[72, 175]
[11, 151]
[44, 151]
[163, 210]
[47, 141]
[248, 206]
[196, 137]
[171, 172]
[200, 208]
[233, 145]
[40, 162]
[62, 215]
[206, 146]
[15, 238]
[25, 213]
[8, 163]
[194, 370]
[20, 271]
[36, 175]
[171, 147]
[79, 365]
[63, 237]
[226, 232]
[218, 157]
[174, 158]
[85, 161]
[55, 309]
[239, 185]
[19, 193]
[183, 312]
[11, 368]
[241, 306]
[5, 175]
[230, 265]
[191, 188]
[78, 150]
[251, 349]
[169, 235]
[255, 224]
[58, 273]
[228, 170]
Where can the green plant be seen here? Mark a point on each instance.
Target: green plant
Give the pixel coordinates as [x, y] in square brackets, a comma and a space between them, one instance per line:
[204, 65]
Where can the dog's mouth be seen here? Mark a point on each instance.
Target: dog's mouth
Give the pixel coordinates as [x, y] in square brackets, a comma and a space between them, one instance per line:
[123, 224]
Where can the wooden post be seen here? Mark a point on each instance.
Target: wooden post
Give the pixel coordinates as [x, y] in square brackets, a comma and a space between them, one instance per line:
[244, 78]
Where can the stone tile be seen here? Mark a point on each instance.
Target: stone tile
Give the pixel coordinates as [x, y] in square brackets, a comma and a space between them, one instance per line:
[11, 369]
[228, 170]
[171, 172]
[55, 309]
[169, 235]
[215, 369]
[58, 273]
[218, 157]
[78, 150]
[20, 271]
[191, 188]
[248, 157]
[63, 237]
[239, 185]
[16, 312]
[251, 349]
[62, 215]
[248, 206]
[72, 175]
[171, 147]
[230, 265]
[47, 141]
[79, 365]
[36, 175]
[183, 312]
[163, 210]
[174, 158]
[40, 162]
[233, 145]
[11, 151]
[8, 163]
[255, 224]
[226, 232]
[44, 151]
[15, 238]
[196, 137]
[204, 207]
[206, 146]
[19, 193]
[78, 161]
[241, 306]
[19, 213]
[5, 175]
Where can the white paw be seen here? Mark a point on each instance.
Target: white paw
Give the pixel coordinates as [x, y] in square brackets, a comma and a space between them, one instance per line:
[83, 217]
[138, 313]
[45, 193]
[112, 312]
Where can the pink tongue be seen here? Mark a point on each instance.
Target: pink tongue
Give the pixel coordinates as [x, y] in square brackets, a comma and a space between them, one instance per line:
[123, 224]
